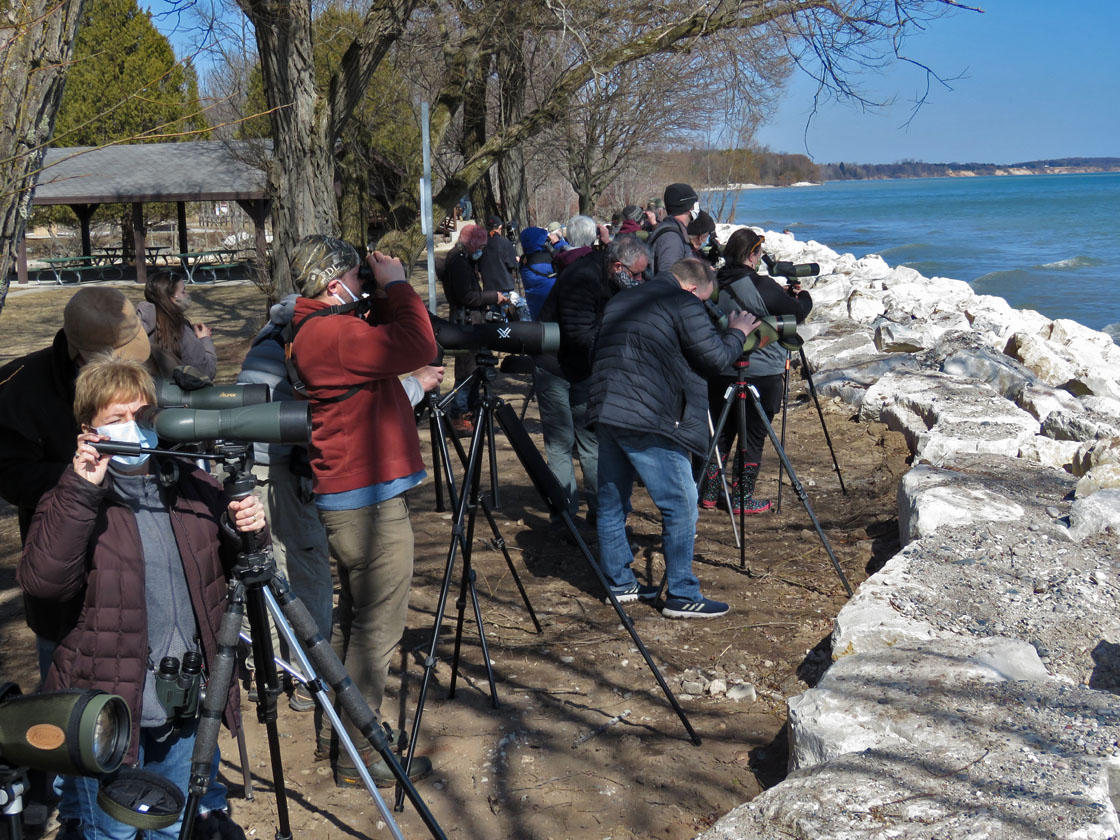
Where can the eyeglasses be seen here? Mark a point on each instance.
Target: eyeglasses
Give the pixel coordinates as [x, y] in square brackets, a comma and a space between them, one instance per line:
[634, 274]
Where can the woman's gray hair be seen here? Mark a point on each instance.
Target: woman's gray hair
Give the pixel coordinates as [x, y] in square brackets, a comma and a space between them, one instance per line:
[582, 231]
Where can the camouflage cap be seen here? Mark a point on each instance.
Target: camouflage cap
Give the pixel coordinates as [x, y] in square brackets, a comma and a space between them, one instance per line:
[318, 259]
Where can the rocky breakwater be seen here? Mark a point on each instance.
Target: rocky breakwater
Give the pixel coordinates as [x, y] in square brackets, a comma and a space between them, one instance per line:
[974, 686]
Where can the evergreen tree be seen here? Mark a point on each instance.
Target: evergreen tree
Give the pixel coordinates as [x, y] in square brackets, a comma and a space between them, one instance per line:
[125, 84]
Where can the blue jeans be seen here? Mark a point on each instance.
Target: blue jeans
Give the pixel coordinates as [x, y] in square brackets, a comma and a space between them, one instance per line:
[666, 470]
[563, 411]
[170, 758]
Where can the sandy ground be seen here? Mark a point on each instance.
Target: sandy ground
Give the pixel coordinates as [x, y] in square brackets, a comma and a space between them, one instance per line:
[581, 743]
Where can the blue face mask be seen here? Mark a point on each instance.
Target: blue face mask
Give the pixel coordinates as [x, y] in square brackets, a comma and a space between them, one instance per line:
[477, 255]
[130, 432]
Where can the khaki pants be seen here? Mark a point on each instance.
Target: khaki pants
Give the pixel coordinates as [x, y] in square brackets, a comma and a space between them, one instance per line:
[372, 548]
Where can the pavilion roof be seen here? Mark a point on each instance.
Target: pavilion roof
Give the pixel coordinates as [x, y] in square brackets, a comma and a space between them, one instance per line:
[203, 170]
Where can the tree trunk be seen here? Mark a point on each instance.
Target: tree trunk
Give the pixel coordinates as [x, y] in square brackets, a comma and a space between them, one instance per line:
[38, 39]
[474, 137]
[301, 175]
[512, 79]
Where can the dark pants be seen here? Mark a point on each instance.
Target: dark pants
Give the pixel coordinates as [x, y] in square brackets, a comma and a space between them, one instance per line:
[770, 395]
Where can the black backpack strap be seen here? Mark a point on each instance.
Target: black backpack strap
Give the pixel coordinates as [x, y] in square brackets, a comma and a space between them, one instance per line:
[288, 337]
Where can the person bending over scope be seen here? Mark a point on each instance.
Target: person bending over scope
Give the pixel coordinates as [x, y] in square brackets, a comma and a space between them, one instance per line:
[145, 543]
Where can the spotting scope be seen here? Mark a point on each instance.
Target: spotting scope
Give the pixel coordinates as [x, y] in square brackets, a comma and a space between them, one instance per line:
[529, 337]
[170, 395]
[783, 268]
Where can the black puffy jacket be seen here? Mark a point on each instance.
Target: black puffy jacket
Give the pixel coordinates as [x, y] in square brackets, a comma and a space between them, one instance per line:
[656, 347]
[577, 302]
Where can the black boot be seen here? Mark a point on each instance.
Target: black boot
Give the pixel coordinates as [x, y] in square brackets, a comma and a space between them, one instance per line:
[747, 502]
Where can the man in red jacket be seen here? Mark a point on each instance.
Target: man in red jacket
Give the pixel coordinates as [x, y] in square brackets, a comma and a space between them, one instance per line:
[365, 453]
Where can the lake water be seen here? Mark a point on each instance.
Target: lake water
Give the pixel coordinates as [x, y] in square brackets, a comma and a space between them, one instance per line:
[1044, 242]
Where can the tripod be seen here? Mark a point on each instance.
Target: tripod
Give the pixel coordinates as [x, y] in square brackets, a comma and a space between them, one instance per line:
[737, 395]
[256, 587]
[807, 375]
[469, 500]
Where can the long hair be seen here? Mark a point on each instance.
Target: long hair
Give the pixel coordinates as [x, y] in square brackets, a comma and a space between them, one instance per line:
[169, 317]
[739, 246]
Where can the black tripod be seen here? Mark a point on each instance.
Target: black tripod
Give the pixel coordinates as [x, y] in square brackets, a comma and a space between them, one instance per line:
[469, 500]
[737, 395]
[255, 586]
[807, 375]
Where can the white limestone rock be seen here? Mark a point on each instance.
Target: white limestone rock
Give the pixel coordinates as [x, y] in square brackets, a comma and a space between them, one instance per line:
[1065, 424]
[930, 498]
[907, 694]
[1103, 477]
[902, 338]
[1098, 513]
[1059, 454]
[1017, 792]
[849, 383]
[872, 621]
[1094, 453]
[1040, 401]
[1052, 363]
[832, 350]
[1004, 375]
[865, 306]
[940, 415]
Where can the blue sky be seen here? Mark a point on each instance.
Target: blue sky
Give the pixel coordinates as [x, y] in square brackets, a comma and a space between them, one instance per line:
[1039, 80]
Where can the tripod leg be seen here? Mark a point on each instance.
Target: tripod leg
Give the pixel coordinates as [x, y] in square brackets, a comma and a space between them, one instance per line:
[435, 432]
[457, 539]
[785, 408]
[213, 705]
[813, 392]
[799, 489]
[740, 468]
[316, 656]
[246, 773]
[713, 451]
[500, 542]
[556, 500]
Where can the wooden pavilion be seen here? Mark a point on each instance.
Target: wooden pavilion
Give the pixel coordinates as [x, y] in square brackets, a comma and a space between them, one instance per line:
[85, 177]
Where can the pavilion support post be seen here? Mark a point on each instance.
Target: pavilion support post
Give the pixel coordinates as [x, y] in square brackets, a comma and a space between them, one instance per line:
[21, 260]
[140, 236]
[84, 212]
[181, 213]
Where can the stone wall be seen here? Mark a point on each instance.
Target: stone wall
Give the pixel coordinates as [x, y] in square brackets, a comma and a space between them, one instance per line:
[973, 689]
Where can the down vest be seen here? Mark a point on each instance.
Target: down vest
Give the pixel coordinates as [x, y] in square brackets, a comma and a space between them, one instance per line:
[84, 542]
[655, 348]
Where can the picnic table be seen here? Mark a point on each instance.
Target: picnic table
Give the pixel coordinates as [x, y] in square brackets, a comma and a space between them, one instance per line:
[79, 267]
[108, 255]
[154, 252]
[219, 259]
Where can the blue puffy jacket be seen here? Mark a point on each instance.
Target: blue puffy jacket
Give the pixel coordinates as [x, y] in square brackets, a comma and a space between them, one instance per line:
[537, 274]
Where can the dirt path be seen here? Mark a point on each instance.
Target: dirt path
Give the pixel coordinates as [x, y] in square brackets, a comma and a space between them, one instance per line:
[584, 744]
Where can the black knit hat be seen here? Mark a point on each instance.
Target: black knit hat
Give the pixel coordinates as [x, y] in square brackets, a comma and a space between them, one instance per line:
[679, 198]
[702, 225]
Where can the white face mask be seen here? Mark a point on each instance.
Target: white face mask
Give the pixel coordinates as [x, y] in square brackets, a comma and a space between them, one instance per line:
[695, 211]
[130, 432]
[349, 293]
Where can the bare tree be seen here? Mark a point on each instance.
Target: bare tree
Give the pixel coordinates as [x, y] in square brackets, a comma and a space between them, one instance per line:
[36, 44]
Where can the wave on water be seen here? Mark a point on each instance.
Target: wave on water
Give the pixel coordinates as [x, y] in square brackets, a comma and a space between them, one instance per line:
[1112, 330]
[1073, 262]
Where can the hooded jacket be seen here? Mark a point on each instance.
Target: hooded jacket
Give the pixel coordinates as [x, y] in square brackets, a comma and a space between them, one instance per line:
[577, 303]
[84, 544]
[656, 347]
[537, 274]
[370, 437]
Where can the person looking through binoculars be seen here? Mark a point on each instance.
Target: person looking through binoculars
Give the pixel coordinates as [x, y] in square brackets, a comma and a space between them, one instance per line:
[365, 454]
[145, 544]
[741, 287]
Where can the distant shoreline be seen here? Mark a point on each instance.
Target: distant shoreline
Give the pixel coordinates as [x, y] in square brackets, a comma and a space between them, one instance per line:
[1002, 172]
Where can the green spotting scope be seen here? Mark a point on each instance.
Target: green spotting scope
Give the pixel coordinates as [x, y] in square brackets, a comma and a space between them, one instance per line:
[75, 733]
[285, 422]
[170, 395]
[771, 328]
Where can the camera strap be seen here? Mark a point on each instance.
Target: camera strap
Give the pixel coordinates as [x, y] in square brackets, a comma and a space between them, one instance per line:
[289, 336]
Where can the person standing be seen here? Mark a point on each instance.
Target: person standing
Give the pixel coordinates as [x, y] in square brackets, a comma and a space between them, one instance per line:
[669, 240]
[365, 453]
[743, 288]
[176, 341]
[649, 404]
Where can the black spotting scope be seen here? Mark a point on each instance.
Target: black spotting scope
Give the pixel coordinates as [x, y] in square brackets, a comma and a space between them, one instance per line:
[787, 269]
[529, 337]
[285, 422]
[170, 395]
